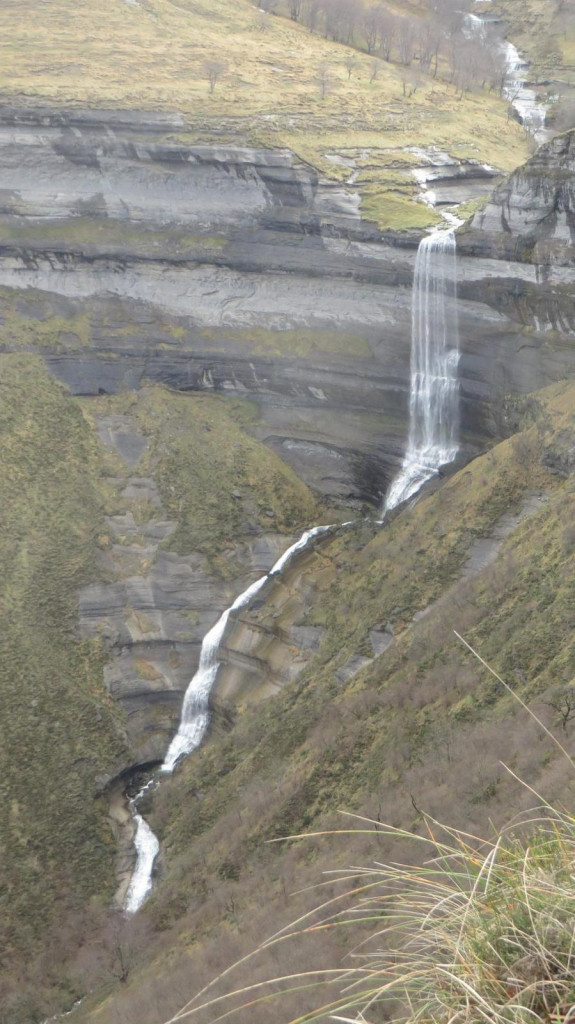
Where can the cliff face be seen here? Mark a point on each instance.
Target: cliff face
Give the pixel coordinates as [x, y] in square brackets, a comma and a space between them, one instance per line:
[516, 260]
[237, 271]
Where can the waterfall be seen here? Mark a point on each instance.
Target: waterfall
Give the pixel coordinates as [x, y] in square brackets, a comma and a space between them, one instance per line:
[434, 396]
[147, 849]
[434, 422]
[195, 710]
[532, 114]
[194, 722]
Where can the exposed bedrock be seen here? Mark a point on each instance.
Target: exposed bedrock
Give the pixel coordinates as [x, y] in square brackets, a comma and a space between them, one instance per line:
[153, 607]
[237, 270]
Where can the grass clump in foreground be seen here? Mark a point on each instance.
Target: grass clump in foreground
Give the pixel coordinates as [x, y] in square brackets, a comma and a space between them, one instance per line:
[485, 930]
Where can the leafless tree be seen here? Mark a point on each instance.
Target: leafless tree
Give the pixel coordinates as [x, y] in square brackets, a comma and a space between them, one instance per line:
[410, 81]
[214, 70]
[406, 40]
[388, 30]
[564, 704]
[324, 79]
[122, 943]
[295, 9]
[450, 14]
[313, 10]
[350, 62]
[370, 27]
[430, 38]
[340, 19]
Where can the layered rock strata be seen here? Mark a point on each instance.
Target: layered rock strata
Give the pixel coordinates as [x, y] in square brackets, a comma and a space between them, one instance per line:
[237, 270]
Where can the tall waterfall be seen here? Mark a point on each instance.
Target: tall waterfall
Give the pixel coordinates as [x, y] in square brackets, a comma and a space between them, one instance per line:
[434, 397]
[194, 721]
[433, 433]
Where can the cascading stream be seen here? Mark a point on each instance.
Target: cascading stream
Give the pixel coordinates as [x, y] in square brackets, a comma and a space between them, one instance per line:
[434, 425]
[532, 113]
[434, 396]
[433, 433]
[194, 722]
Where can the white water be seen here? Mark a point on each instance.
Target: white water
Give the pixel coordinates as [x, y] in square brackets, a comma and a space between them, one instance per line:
[524, 99]
[195, 709]
[147, 849]
[193, 725]
[515, 90]
[434, 397]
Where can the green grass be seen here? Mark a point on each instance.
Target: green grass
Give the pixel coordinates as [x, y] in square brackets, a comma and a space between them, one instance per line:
[61, 736]
[217, 482]
[303, 343]
[111, 236]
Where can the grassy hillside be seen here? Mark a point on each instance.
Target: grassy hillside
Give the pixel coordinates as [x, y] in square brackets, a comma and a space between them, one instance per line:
[424, 727]
[60, 734]
[215, 481]
[151, 55]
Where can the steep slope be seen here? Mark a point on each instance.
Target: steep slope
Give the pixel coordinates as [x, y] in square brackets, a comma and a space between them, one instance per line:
[62, 737]
[112, 571]
[421, 725]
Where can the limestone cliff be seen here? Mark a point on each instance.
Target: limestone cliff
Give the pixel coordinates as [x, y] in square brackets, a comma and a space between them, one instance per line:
[238, 271]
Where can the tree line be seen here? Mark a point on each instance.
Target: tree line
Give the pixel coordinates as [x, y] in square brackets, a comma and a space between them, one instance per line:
[440, 41]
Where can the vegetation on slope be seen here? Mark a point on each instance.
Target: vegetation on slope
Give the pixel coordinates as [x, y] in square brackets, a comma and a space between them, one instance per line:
[422, 726]
[60, 734]
[215, 481]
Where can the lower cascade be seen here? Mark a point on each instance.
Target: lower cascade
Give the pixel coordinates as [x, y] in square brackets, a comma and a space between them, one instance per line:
[434, 395]
[194, 722]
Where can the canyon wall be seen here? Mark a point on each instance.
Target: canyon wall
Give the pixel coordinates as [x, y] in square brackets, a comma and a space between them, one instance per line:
[130, 257]
[239, 271]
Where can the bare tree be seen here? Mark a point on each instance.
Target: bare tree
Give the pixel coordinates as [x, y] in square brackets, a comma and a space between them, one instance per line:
[122, 943]
[214, 70]
[430, 38]
[564, 705]
[370, 28]
[406, 40]
[388, 30]
[340, 19]
[313, 10]
[295, 9]
[324, 79]
[450, 14]
[350, 64]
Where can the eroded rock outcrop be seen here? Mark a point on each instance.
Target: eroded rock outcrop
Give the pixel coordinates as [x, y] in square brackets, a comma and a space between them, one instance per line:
[516, 261]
